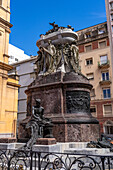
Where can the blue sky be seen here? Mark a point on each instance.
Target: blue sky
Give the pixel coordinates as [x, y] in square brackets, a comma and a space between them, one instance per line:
[31, 18]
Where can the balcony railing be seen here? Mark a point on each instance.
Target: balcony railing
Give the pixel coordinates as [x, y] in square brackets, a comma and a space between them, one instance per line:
[21, 159]
[104, 64]
[105, 82]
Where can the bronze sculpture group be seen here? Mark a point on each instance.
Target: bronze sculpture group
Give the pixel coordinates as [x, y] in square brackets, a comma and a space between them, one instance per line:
[51, 58]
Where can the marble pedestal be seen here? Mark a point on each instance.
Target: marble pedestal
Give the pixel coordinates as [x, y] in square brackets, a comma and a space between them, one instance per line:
[46, 141]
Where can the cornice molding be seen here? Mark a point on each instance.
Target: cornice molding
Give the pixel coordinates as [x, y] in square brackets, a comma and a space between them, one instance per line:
[5, 22]
[13, 84]
[3, 75]
[5, 55]
[5, 66]
[5, 9]
[5, 27]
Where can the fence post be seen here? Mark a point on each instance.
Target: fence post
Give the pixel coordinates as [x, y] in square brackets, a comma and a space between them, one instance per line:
[8, 165]
[39, 163]
[35, 161]
[9, 159]
[103, 159]
[31, 153]
[109, 163]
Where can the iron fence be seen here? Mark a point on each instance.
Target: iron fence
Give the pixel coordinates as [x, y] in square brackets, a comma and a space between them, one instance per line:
[31, 160]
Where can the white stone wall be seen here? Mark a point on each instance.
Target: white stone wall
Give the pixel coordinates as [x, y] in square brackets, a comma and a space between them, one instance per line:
[25, 71]
[16, 54]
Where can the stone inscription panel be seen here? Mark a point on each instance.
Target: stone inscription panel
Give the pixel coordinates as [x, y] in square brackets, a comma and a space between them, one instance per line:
[77, 101]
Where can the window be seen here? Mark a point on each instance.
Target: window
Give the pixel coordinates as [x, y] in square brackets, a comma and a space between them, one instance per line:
[106, 93]
[112, 17]
[102, 44]
[18, 106]
[89, 61]
[105, 76]
[32, 64]
[18, 90]
[108, 127]
[16, 59]
[14, 127]
[103, 59]
[88, 48]
[32, 75]
[112, 28]
[90, 76]
[101, 31]
[88, 35]
[92, 93]
[93, 111]
[111, 4]
[17, 68]
[107, 110]
[12, 57]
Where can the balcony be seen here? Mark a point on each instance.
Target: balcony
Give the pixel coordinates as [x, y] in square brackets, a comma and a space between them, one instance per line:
[104, 64]
[105, 82]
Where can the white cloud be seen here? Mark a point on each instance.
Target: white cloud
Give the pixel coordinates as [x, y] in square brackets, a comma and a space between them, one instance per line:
[98, 15]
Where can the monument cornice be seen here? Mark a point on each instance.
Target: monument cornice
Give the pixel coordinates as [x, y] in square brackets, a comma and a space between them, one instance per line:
[60, 84]
[60, 36]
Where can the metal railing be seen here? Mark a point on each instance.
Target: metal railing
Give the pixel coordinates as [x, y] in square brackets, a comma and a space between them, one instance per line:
[104, 62]
[30, 160]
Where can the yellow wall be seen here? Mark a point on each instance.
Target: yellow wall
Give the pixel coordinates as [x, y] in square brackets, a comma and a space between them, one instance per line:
[8, 86]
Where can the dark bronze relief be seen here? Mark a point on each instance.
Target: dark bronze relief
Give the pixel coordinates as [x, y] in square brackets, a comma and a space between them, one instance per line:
[77, 101]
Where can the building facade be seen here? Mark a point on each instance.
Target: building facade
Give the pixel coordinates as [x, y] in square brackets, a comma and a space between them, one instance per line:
[26, 73]
[96, 65]
[109, 14]
[8, 85]
[16, 54]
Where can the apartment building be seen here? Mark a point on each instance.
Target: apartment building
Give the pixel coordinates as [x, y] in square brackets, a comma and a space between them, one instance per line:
[96, 65]
[109, 14]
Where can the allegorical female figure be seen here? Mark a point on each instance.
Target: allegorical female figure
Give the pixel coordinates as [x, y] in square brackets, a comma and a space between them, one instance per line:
[50, 54]
[74, 60]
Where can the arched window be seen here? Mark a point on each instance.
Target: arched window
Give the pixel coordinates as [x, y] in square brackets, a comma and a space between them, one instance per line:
[108, 127]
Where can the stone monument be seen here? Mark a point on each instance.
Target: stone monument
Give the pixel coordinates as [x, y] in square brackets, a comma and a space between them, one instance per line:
[63, 90]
